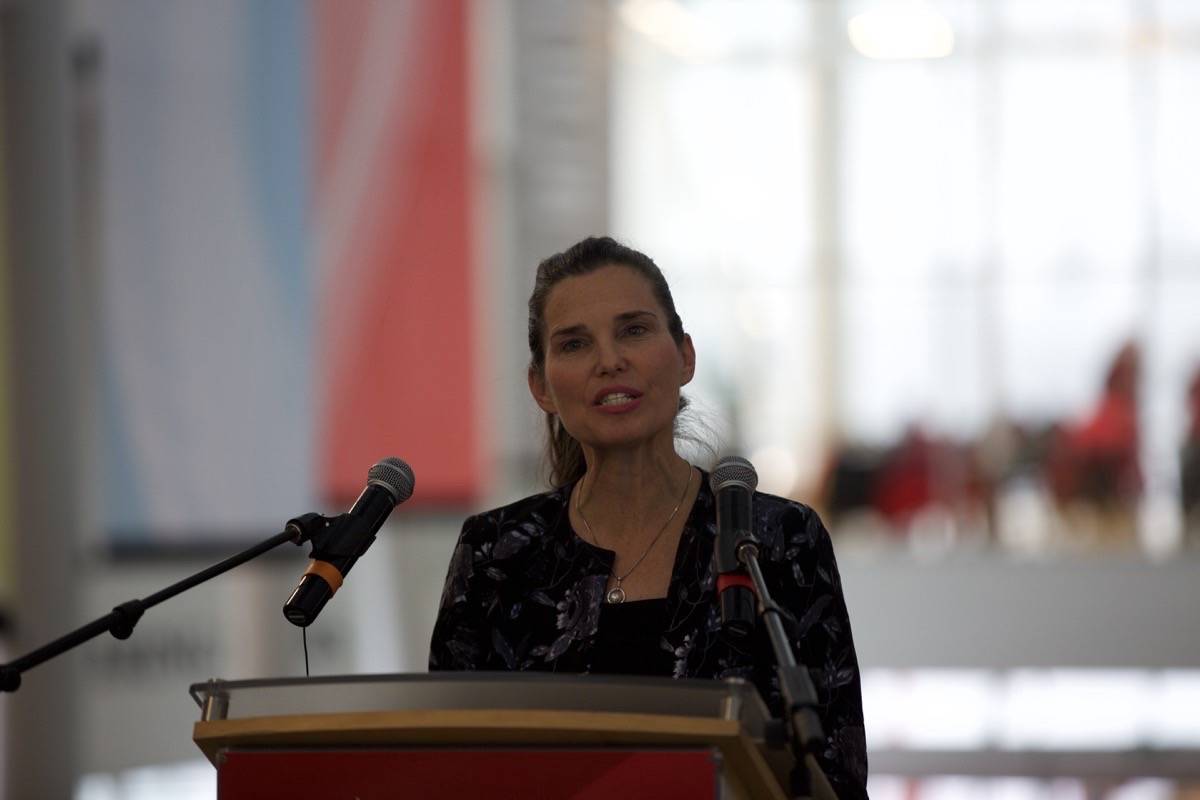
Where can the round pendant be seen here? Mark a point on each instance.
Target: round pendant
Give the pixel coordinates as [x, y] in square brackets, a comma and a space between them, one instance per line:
[615, 595]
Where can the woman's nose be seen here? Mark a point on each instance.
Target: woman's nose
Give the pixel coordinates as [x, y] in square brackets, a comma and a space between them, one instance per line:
[609, 358]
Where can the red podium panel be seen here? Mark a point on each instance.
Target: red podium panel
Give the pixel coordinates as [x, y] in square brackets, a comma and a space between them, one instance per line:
[545, 774]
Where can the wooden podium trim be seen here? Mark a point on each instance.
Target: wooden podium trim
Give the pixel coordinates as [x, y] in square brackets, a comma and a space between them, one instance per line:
[746, 767]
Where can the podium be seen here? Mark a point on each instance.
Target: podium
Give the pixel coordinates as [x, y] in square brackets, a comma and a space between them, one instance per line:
[488, 735]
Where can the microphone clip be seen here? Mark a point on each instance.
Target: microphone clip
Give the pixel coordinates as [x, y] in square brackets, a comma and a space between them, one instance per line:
[345, 535]
[312, 527]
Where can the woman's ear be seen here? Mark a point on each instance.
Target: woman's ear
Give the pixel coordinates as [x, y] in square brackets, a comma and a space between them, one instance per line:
[688, 351]
[537, 388]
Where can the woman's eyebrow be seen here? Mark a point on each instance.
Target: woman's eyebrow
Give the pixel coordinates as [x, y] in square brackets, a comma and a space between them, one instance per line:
[628, 315]
[624, 316]
[569, 331]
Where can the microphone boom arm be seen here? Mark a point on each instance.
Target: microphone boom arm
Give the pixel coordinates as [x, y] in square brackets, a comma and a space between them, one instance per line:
[799, 695]
[121, 621]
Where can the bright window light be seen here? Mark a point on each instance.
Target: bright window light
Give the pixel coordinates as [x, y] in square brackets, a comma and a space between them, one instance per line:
[901, 29]
[673, 28]
[1176, 711]
[1074, 710]
[1039, 710]
[188, 780]
[929, 709]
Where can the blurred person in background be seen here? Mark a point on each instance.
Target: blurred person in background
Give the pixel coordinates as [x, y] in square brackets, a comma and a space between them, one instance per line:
[918, 484]
[1189, 467]
[1094, 469]
[612, 570]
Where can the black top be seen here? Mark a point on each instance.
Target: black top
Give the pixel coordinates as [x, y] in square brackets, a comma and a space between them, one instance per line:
[629, 639]
[525, 592]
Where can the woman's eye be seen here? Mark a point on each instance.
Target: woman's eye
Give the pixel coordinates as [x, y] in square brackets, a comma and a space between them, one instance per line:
[636, 330]
[570, 345]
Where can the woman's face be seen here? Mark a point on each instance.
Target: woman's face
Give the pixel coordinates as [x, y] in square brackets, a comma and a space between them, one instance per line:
[612, 371]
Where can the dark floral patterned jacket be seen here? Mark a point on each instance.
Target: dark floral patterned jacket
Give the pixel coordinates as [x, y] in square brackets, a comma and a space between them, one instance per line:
[524, 593]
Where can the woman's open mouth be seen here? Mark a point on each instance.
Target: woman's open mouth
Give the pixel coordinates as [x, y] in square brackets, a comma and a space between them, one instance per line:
[618, 400]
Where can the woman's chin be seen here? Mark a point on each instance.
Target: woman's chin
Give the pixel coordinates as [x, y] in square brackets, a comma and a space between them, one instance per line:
[629, 440]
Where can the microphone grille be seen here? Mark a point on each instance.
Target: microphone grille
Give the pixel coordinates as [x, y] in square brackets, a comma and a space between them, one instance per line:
[395, 476]
[733, 470]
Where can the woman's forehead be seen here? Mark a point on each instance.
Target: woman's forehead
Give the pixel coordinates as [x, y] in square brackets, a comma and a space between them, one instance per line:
[603, 293]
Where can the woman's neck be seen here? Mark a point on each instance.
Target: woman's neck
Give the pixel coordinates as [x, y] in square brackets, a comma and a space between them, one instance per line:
[624, 493]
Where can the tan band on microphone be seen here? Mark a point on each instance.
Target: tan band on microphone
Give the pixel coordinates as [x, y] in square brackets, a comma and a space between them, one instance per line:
[327, 572]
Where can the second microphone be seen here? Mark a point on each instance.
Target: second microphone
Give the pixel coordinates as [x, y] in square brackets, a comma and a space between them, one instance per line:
[389, 483]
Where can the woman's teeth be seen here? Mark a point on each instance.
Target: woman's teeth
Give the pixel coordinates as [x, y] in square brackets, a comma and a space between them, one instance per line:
[615, 399]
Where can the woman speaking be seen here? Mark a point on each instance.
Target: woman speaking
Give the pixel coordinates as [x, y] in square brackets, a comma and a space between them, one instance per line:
[612, 571]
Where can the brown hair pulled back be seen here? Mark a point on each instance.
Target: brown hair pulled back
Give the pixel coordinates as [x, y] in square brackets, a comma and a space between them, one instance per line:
[563, 452]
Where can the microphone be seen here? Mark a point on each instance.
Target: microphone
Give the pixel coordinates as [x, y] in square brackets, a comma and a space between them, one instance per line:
[733, 482]
[389, 483]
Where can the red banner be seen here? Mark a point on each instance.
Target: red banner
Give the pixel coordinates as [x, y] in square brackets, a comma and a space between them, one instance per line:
[396, 318]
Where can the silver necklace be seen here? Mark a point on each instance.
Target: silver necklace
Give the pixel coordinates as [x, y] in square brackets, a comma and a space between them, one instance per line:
[617, 594]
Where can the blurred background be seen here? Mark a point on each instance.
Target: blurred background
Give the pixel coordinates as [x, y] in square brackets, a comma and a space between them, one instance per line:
[940, 260]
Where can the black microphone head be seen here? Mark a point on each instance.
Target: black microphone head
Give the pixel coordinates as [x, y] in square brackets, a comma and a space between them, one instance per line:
[395, 476]
[733, 471]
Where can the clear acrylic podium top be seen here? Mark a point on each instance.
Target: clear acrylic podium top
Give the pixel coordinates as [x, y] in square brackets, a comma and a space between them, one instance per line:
[733, 699]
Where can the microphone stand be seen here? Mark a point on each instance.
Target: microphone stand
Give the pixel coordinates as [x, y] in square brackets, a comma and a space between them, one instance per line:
[122, 619]
[801, 724]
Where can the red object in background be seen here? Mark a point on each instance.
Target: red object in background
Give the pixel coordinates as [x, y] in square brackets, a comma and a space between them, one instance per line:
[457, 774]
[1097, 459]
[393, 220]
[904, 485]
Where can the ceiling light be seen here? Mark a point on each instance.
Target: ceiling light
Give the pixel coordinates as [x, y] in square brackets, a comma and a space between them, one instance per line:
[901, 29]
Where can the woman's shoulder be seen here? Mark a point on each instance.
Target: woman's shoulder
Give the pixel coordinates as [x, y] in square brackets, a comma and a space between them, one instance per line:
[796, 520]
[529, 516]
[773, 515]
[775, 504]
[795, 541]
